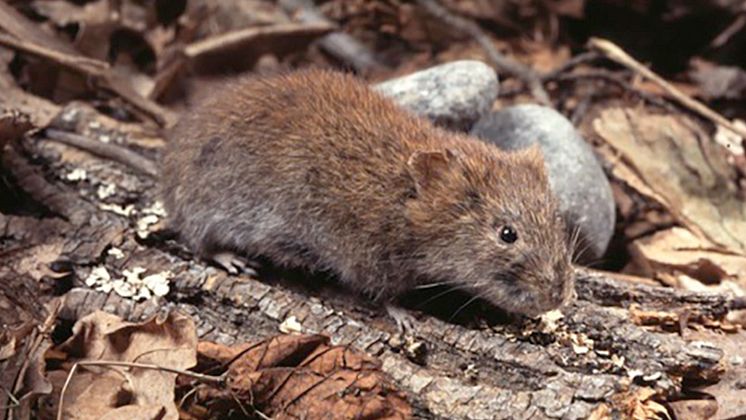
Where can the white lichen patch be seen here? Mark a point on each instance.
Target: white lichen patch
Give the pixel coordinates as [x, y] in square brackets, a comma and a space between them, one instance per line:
[158, 283]
[151, 216]
[144, 223]
[132, 285]
[117, 209]
[77, 174]
[291, 325]
[106, 190]
[116, 253]
[98, 275]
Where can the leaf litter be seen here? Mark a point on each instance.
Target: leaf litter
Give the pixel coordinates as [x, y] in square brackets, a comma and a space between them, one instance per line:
[110, 368]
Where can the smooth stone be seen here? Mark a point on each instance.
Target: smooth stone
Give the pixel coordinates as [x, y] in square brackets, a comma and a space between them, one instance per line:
[575, 174]
[452, 95]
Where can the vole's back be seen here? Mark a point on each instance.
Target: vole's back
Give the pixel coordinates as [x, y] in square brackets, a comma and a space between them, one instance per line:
[307, 169]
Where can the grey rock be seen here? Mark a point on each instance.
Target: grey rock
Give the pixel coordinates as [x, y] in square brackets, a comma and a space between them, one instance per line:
[575, 175]
[453, 95]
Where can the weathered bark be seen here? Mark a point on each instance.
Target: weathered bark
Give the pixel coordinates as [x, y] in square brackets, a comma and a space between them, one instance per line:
[595, 359]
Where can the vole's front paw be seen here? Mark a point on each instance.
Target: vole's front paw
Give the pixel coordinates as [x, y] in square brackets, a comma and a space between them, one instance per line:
[405, 322]
[234, 263]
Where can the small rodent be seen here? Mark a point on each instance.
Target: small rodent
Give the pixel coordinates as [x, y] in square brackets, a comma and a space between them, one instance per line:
[314, 169]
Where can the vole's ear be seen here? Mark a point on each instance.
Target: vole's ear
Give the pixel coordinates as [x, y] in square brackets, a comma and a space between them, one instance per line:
[427, 168]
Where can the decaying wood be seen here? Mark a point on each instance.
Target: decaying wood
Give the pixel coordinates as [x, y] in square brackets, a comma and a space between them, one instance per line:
[507, 378]
[596, 359]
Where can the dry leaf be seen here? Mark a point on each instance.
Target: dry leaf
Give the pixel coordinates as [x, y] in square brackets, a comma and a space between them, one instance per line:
[293, 376]
[672, 161]
[109, 391]
[677, 250]
[639, 404]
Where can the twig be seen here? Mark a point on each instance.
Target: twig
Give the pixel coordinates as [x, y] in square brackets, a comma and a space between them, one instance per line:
[573, 62]
[14, 402]
[731, 30]
[73, 62]
[43, 333]
[616, 80]
[243, 36]
[109, 363]
[339, 45]
[613, 52]
[530, 77]
[108, 151]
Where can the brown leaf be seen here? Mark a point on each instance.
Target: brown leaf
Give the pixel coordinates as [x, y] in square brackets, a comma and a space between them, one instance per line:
[293, 376]
[282, 350]
[672, 161]
[97, 391]
[24, 339]
[679, 252]
[26, 37]
[640, 404]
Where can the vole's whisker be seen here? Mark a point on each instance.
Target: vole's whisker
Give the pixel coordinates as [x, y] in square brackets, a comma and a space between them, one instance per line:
[450, 290]
[580, 252]
[436, 284]
[462, 307]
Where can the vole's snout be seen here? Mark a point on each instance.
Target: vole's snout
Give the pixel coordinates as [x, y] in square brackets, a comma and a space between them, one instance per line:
[555, 290]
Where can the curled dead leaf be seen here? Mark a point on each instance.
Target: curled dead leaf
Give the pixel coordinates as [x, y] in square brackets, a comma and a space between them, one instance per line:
[109, 391]
[291, 376]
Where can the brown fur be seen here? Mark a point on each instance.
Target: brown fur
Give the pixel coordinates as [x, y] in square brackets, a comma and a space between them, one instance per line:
[313, 169]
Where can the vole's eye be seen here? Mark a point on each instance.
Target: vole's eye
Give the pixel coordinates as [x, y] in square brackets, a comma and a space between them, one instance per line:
[508, 234]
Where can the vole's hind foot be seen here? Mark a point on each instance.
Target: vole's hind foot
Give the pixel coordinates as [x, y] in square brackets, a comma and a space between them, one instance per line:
[405, 321]
[234, 263]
